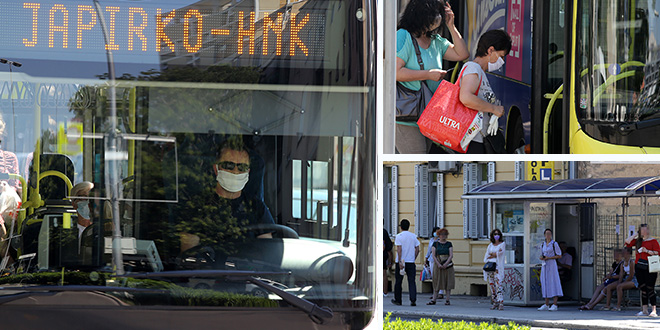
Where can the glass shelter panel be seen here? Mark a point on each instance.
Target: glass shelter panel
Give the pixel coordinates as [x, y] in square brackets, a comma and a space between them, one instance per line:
[509, 218]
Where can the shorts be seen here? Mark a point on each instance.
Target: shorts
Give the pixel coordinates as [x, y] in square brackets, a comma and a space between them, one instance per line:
[610, 281]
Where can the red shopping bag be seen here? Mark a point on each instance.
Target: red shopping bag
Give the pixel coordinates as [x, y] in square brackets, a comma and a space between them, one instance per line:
[447, 121]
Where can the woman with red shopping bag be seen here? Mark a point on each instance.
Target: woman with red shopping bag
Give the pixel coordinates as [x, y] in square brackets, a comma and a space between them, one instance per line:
[492, 47]
[420, 51]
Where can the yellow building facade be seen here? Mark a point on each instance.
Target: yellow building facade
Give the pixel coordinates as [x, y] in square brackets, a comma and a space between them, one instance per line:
[468, 252]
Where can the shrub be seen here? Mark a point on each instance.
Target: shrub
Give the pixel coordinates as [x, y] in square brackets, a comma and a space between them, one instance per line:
[428, 324]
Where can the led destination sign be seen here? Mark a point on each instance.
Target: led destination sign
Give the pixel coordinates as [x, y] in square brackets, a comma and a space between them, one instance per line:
[133, 30]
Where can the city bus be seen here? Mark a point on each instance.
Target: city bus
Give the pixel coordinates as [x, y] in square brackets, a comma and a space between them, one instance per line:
[581, 77]
[139, 101]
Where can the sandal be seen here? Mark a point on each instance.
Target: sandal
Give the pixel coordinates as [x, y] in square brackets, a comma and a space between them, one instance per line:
[493, 307]
[585, 308]
[447, 303]
[432, 302]
[501, 307]
[616, 309]
[604, 308]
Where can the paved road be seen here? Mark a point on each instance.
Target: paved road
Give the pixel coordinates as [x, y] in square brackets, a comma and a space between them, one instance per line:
[477, 309]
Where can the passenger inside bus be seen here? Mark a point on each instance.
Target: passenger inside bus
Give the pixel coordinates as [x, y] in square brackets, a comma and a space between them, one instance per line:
[8, 160]
[80, 202]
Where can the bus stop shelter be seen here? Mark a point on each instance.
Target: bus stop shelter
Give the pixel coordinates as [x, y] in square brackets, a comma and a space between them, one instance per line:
[522, 210]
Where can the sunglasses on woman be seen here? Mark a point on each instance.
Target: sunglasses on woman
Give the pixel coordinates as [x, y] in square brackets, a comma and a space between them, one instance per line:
[229, 166]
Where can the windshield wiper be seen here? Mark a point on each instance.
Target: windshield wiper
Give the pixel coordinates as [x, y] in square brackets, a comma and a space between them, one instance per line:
[627, 128]
[29, 291]
[317, 313]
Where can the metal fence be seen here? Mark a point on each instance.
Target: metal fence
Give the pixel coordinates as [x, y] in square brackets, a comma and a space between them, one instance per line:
[611, 233]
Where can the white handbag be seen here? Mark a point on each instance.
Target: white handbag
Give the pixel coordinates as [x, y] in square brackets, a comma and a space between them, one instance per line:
[654, 264]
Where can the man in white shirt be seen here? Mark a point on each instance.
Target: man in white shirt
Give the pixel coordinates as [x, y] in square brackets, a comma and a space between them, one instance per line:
[407, 249]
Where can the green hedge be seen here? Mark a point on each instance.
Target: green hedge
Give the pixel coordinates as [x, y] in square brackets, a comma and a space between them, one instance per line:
[427, 324]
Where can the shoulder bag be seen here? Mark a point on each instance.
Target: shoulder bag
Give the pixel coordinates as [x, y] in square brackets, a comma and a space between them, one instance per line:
[495, 144]
[654, 264]
[411, 103]
[447, 121]
[490, 266]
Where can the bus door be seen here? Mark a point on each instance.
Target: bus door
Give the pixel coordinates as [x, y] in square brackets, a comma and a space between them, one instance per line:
[322, 203]
[550, 25]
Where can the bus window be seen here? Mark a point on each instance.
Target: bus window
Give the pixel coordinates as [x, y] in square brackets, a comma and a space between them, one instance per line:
[618, 99]
[227, 150]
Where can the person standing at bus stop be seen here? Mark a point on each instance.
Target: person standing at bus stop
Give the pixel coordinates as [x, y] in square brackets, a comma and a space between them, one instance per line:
[645, 246]
[419, 27]
[407, 250]
[491, 49]
[550, 282]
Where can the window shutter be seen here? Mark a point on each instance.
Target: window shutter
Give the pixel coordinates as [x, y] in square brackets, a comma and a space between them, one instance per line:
[422, 200]
[387, 198]
[489, 214]
[394, 201]
[440, 201]
[470, 207]
[520, 171]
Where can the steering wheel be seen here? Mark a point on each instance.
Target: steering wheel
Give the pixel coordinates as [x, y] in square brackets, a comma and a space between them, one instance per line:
[197, 257]
[278, 231]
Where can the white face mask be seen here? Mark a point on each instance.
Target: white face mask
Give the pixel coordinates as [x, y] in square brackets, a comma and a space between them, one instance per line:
[83, 209]
[232, 182]
[495, 66]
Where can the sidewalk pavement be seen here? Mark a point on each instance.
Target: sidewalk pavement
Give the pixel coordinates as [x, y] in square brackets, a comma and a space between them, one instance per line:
[477, 309]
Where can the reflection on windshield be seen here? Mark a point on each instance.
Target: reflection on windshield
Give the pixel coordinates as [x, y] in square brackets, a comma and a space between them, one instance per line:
[621, 71]
[232, 166]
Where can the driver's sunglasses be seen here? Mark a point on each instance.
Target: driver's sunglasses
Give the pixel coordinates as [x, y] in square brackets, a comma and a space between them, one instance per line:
[229, 166]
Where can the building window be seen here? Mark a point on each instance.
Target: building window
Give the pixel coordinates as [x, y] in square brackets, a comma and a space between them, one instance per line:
[477, 212]
[429, 200]
[391, 199]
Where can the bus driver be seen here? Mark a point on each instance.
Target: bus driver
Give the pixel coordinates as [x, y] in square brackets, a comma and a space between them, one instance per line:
[229, 209]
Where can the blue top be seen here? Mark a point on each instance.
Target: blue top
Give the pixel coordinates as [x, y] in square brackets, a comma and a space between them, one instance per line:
[432, 57]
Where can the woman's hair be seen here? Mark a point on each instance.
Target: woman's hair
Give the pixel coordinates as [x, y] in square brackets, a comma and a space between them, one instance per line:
[627, 250]
[493, 233]
[420, 15]
[498, 39]
[434, 230]
[640, 240]
[443, 231]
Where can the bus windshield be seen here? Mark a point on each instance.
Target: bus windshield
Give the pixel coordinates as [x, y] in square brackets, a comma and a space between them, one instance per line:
[620, 71]
[208, 154]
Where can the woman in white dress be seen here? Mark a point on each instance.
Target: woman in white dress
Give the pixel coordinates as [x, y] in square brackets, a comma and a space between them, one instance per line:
[495, 253]
[550, 282]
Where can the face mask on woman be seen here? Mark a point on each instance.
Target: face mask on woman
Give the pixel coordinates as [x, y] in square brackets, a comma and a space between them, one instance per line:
[495, 66]
[83, 209]
[496, 237]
